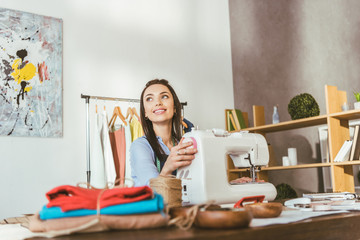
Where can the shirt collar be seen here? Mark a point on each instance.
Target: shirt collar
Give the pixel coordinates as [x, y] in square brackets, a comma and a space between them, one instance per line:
[161, 141]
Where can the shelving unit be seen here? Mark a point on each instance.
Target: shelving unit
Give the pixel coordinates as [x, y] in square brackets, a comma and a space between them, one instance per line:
[338, 131]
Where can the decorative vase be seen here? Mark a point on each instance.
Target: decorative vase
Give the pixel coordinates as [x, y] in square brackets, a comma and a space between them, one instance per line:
[356, 105]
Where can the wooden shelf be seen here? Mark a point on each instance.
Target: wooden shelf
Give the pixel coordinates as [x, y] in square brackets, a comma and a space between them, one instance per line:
[338, 131]
[310, 165]
[289, 125]
[348, 115]
[305, 122]
[353, 162]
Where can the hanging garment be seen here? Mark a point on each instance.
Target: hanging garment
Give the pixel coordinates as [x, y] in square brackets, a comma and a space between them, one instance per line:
[136, 129]
[127, 152]
[188, 124]
[117, 139]
[108, 154]
[97, 161]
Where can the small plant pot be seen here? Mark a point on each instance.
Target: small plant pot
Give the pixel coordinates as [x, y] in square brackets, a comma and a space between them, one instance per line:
[356, 105]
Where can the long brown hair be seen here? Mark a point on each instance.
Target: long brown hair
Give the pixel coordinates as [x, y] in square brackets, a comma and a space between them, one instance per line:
[147, 125]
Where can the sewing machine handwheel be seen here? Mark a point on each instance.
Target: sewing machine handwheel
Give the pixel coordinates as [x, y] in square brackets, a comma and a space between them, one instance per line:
[252, 199]
[191, 139]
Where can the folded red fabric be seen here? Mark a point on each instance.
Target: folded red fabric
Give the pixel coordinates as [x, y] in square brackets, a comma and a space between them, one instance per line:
[68, 197]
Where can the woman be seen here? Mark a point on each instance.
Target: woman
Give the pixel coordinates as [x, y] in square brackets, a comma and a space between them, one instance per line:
[161, 150]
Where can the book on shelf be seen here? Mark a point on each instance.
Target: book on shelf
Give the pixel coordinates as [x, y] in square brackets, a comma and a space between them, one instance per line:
[355, 149]
[344, 152]
[234, 120]
[229, 125]
[227, 120]
[240, 118]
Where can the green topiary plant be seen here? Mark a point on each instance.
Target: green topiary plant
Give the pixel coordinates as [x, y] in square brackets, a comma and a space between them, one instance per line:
[302, 106]
[285, 191]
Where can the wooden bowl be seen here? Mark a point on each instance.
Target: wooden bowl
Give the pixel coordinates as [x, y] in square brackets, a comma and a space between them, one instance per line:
[184, 210]
[179, 211]
[265, 210]
[223, 218]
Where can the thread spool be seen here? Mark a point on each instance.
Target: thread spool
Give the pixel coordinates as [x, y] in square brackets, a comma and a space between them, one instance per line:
[169, 187]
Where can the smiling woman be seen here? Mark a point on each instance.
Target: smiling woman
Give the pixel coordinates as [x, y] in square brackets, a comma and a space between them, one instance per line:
[161, 150]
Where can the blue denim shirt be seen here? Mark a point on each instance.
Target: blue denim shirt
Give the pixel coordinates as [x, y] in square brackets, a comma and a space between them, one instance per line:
[142, 160]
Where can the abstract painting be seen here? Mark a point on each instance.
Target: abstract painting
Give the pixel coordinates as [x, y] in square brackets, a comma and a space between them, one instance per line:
[31, 74]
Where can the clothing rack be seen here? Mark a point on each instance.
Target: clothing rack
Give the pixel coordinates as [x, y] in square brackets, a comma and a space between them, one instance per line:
[87, 106]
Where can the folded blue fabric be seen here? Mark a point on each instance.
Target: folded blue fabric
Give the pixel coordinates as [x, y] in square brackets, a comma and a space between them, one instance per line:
[155, 204]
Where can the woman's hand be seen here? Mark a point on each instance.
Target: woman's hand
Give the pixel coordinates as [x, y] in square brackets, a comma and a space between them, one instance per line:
[180, 156]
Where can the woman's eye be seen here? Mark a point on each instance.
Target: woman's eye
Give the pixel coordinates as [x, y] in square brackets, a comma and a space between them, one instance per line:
[165, 96]
[148, 99]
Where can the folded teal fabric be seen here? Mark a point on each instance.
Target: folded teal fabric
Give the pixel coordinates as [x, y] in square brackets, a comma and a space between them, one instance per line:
[153, 205]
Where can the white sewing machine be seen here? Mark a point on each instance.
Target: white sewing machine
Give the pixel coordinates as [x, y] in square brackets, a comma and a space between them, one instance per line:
[206, 179]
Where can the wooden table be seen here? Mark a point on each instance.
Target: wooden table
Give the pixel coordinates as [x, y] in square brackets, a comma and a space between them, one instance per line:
[339, 226]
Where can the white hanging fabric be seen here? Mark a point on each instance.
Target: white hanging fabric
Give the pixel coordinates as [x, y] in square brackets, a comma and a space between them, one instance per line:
[97, 162]
[108, 154]
[128, 143]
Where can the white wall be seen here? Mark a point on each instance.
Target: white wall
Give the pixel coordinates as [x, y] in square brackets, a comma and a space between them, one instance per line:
[112, 48]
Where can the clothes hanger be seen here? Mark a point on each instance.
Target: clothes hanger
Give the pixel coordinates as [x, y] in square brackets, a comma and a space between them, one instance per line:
[120, 115]
[135, 113]
[117, 113]
[129, 113]
[96, 110]
[112, 117]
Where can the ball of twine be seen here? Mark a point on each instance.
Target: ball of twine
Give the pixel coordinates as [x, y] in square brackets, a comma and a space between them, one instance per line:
[169, 187]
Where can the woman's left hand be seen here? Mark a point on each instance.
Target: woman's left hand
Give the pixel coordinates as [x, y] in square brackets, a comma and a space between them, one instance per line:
[180, 156]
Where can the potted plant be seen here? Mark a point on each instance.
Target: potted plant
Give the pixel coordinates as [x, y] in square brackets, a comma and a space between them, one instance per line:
[303, 106]
[357, 103]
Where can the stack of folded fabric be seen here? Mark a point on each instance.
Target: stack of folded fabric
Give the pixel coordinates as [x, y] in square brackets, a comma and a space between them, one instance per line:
[74, 209]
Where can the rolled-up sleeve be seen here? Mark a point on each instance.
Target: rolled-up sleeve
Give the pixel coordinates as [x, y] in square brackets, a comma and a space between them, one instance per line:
[142, 162]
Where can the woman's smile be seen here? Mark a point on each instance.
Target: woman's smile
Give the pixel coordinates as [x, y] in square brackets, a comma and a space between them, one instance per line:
[159, 111]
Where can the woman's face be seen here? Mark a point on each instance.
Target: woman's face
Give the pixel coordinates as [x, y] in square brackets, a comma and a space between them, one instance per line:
[158, 103]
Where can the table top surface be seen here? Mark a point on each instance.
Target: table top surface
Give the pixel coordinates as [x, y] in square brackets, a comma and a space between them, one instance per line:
[337, 226]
